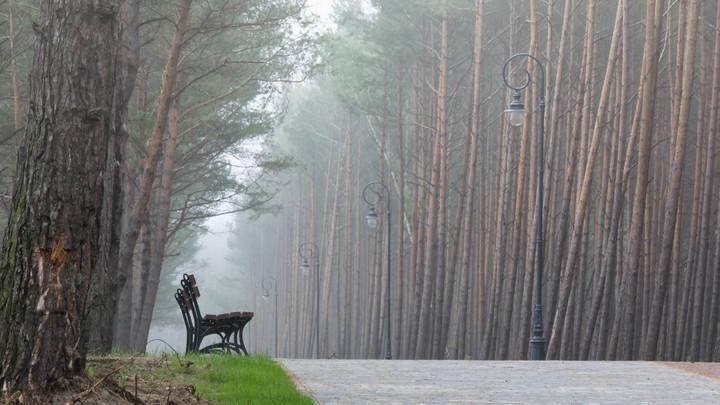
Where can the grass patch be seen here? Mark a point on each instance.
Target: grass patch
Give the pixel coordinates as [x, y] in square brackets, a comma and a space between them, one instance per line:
[232, 379]
[165, 378]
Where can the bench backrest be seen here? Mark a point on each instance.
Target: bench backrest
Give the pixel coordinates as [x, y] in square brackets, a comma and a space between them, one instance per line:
[191, 293]
[187, 318]
[187, 299]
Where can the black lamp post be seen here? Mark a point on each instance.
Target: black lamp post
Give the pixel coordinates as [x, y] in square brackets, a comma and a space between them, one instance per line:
[516, 113]
[269, 282]
[372, 220]
[307, 253]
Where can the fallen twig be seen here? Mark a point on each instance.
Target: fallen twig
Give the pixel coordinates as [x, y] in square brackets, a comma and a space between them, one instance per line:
[136, 388]
[13, 398]
[80, 396]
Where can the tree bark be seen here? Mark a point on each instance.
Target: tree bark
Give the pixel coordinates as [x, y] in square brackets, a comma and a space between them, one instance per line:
[17, 113]
[105, 301]
[51, 244]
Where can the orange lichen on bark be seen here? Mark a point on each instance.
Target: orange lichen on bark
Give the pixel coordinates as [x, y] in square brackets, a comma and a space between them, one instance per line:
[59, 254]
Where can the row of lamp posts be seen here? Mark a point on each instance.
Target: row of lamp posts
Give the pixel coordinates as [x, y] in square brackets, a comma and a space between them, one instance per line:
[372, 194]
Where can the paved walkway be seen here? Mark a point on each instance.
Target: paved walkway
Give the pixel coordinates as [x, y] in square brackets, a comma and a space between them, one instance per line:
[503, 382]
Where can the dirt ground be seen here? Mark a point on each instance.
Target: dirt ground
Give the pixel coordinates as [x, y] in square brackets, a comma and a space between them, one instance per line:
[129, 380]
[706, 369]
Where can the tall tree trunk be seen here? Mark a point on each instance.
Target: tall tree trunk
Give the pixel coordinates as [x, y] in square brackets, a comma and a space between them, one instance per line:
[583, 194]
[137, 210]
[141, 272]
[609, 258]
[327, 253]
[425, 333]
[555, 267]
[626, 295]
[475, 119]
[51, 244]
[349, 252]
[399, 295]
[443, 128]
[105, 301]
[356, 302]
[159, 234]
[419, 214]
[708, 186]
[502, 214]
[674, 190]
[452, 262]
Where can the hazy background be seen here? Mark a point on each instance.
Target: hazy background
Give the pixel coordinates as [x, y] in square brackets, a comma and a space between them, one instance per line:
[221, 283]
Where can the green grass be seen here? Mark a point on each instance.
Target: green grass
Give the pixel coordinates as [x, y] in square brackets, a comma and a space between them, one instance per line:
[232, 379]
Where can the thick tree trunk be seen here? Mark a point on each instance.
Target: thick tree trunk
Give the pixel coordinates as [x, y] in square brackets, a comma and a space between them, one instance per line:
[51, 245]
[104, 302]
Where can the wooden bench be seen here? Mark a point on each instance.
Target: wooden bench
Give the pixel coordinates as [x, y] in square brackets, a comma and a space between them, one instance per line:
[228, 326]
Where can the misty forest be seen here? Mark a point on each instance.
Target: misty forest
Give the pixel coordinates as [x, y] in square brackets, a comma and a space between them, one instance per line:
[291, 127]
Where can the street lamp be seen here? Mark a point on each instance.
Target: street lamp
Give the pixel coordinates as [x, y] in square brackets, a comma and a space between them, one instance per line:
[516, 113]
[269, 282]
[372, 220]
[307, 253]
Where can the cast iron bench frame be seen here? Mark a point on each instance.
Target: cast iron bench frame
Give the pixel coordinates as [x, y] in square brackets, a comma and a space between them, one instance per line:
[229, 326]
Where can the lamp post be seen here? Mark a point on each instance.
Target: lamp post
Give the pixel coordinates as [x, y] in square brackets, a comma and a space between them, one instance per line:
[372, 220]
[269, 282]
[307, 253]
[516, 112]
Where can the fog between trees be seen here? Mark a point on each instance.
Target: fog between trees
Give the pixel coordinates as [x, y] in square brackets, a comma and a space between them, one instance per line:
[406, 92]
[413, 96]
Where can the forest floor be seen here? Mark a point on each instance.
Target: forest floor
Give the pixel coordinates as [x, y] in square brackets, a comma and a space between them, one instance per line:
[130, 380]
